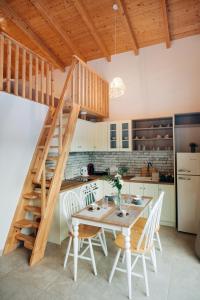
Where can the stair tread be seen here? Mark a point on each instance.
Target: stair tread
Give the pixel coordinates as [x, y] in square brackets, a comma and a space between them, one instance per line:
[42, 147]
[24, 223]
[52, 158]
[33, 209]
[27, 239]
[32, 196]
[50, 170]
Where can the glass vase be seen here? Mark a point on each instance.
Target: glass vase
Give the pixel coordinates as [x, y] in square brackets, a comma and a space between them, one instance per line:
[118, 200]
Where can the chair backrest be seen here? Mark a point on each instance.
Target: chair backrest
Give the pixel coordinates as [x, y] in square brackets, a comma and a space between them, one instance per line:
[160, 199]
[146, 240]
[87, 195]
[71, 204]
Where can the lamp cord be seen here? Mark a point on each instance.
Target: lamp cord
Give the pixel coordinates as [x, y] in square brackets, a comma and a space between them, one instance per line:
[115, 31]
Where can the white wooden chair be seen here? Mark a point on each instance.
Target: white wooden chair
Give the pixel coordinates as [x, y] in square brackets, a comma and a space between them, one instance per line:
[142, 244]
[142, 221]
[71, 205]
[88, 197]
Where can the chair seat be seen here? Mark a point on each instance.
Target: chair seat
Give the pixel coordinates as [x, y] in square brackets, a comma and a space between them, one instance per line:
[87, 231]
[135, 236]
[139, 225]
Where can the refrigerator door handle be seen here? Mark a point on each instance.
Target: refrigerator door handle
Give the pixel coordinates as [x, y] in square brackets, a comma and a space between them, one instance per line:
[184, 170]
[184, 178]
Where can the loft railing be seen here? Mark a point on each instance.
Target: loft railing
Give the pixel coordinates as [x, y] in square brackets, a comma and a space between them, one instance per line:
[24, 73]
[89, 89]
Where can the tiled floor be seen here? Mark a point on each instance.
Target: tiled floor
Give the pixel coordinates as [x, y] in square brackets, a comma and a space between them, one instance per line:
[178, 276]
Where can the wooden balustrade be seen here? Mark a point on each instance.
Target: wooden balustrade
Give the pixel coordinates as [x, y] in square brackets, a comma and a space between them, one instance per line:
[89, 90]
[24, 73]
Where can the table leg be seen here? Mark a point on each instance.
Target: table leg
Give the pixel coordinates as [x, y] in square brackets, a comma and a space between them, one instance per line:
[75, 226]
[126, 233]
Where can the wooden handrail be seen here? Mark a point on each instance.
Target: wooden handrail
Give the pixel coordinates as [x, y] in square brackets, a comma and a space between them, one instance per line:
[30, 82]
[36, 82]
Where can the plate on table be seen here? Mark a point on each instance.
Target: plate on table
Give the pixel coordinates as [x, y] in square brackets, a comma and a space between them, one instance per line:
[93, 207]
[137, 200]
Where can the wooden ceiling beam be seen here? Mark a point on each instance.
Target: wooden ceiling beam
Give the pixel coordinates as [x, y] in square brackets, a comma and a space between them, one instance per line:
[12, 15]
[165, 23]
[123, 12]
[54, 25]
[90, 25]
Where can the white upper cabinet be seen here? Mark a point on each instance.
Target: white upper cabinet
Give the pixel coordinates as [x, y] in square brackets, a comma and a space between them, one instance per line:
[83, 139]
[101, 136]
[119, 136]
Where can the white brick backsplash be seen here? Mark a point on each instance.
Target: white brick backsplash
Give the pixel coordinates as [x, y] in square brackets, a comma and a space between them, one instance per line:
[162, 160]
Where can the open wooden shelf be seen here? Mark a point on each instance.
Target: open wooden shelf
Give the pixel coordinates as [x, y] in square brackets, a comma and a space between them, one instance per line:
[153, 139]
[144, 134]
[153, 128]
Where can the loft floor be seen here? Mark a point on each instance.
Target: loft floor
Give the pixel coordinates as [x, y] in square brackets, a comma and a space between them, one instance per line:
[177, 278]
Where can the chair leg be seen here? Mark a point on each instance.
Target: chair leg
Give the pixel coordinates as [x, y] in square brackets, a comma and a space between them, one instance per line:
[104, 240]
[153, 259]
[114, 234]
[67, 252]
[123, 257]
[159, 242]
[114, 265]
[92, 257]
[145, 275]
[102, 244]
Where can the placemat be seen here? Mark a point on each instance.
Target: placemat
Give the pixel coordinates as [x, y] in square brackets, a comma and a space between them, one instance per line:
[95, 213]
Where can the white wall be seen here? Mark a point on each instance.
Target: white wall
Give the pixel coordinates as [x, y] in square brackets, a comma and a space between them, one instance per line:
[159, 81]
[21, 122]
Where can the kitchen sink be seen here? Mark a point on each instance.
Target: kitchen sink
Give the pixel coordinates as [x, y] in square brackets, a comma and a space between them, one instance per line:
[141, 178]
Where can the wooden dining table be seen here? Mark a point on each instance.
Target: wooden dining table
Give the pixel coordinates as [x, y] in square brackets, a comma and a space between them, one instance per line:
[108, 218]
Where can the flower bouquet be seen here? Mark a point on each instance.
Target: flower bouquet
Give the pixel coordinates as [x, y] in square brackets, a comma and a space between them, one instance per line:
[116, 182]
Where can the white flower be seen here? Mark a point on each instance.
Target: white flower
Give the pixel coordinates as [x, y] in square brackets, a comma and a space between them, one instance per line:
[118, 176]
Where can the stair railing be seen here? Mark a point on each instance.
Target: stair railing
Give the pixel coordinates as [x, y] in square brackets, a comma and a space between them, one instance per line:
[90, 90]
[24, 73]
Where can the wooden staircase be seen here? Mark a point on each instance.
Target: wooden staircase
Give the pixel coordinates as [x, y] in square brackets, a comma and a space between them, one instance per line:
[33, 216]
[84, 90]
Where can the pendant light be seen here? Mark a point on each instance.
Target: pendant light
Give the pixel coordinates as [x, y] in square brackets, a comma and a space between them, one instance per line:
[117, 86]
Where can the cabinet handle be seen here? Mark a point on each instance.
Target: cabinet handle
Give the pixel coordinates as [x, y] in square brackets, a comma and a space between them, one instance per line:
[184, 170]
[184, 178]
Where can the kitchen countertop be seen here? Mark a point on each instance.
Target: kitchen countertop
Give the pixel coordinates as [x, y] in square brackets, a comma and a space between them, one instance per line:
[70, 184]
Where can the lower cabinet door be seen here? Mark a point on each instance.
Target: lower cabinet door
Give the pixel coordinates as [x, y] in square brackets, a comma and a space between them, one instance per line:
[168, 214]
[125, 188]
[136, 188]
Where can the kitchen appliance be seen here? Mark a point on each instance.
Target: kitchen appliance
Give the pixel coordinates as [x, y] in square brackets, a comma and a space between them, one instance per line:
[188, 191]
[84, 171]
[90, 168]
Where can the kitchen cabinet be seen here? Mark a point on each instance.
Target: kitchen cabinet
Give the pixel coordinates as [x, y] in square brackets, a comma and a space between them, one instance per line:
[100, 136]
[83, 139]
[144, 189]
[119, 136]
[58, 231]
[168, 214]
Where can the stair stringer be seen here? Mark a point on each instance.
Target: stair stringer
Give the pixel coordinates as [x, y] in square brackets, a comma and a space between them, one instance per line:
[11, 242]
[42, 234]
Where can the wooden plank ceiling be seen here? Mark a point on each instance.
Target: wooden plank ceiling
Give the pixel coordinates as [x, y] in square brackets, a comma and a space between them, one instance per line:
[57, 29]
